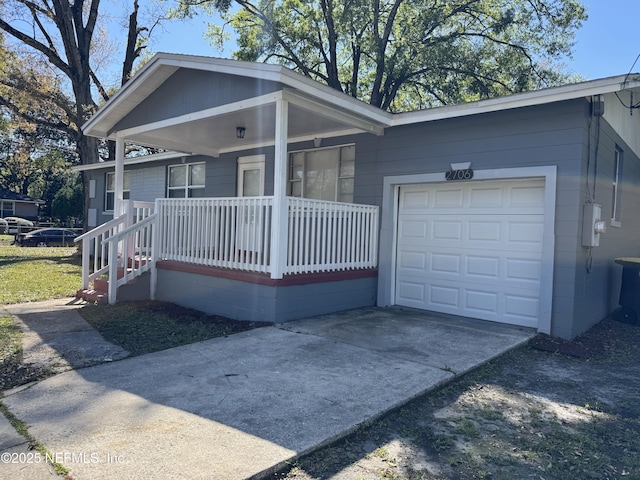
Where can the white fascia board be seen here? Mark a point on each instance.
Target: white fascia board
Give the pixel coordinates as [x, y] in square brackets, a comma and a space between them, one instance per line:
[156, 157]
[536, 97]
[262, 71]
[202, 114]
[90, 127]
[336, 98]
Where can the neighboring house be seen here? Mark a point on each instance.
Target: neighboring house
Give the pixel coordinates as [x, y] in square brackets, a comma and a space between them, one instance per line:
[288, 199]
[18, 205]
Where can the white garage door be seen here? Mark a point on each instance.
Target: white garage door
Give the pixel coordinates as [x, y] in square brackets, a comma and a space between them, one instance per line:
[472, 249]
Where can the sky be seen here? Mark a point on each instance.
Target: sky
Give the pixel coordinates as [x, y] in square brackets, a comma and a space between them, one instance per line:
[606, 45]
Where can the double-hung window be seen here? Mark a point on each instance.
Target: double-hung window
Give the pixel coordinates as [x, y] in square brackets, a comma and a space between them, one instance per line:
[323, 174]
[186, 181]
[110, 189]
[616, 200]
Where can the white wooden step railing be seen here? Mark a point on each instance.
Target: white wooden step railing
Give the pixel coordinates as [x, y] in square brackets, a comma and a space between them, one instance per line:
[132, 247]
[95, 250]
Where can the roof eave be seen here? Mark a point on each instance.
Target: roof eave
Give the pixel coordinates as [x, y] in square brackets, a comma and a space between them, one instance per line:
[527, 99]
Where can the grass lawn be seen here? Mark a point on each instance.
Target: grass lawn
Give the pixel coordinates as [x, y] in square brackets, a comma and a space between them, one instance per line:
[29, 274]
[149, 326]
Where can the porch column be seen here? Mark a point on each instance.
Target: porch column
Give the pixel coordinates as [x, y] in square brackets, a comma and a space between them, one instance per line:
[279, 225]
[118, 202]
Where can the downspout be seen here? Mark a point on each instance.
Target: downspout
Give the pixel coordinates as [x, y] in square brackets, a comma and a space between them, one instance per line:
[279, 226]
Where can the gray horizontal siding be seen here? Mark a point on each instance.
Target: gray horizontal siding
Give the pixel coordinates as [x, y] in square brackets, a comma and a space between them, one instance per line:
[597, 289]
[189, 91]
[535, 136]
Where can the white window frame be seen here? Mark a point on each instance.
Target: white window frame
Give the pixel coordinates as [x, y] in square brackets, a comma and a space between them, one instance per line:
[291, 181]
[126, 191]
[616, 190]
[187, 187]
[252, 162]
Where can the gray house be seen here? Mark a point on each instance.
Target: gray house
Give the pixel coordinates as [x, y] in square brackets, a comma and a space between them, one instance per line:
[14, 204]
[277, 198]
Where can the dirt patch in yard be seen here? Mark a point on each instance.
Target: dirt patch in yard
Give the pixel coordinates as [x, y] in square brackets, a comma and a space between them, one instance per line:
[549, 410]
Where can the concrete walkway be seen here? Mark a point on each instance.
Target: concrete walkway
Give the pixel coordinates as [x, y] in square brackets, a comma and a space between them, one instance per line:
[238, 407]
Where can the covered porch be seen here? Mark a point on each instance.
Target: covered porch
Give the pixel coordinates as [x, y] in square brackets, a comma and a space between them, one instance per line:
[269, 239]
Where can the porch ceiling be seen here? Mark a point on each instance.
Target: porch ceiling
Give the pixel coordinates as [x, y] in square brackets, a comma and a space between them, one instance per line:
[213, 131]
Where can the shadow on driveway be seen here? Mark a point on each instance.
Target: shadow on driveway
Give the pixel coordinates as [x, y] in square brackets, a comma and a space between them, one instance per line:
[240, 406]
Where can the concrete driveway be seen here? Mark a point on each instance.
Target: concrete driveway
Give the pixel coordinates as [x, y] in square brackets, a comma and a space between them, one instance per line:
[241, 406]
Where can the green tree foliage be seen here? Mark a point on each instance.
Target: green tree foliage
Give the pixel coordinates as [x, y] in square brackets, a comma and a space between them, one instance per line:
[66, 204]
[37, 130]
[50, 76]
[64, 36]
[407, 54]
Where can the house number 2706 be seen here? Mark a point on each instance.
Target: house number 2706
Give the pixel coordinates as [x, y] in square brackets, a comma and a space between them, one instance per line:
[466, 174]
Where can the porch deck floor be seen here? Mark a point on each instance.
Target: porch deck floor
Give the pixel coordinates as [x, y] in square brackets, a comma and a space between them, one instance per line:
[241, 406]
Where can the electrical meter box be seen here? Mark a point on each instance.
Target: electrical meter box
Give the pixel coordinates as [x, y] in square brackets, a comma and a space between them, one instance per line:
[592, 225]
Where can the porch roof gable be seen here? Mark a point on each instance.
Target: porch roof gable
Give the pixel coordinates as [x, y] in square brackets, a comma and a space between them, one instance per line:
[164, 65]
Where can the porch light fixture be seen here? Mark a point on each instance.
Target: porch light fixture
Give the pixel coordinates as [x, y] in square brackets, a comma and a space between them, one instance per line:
[240, 132]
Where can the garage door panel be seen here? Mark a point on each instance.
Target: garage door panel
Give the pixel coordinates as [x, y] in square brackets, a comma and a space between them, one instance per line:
[507, 229]
[413, 261]
[446, 263]
[484, 231]
[527, 196]
[520, 269]
[484, 267]
[411, 293]
[500, 268]
[413, 229]
[478, 252]
[530, 232]
[444, 296]
[446, 230]
[448, 198]
[513, 305]
[481, 197]
[414, 198]
[482, 301]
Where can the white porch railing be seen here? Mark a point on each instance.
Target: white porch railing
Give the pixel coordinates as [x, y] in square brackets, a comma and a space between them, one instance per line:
[235, 233]
[95, 250]
[220, 232]
[231, 233]
[326, 236]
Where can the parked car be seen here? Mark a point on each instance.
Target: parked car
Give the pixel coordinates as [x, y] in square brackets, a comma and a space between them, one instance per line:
[4, 226]
[51, 237]
[16, 224]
